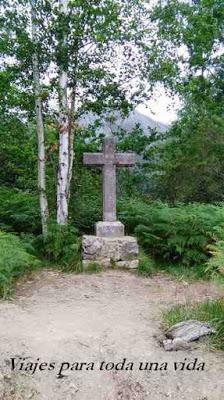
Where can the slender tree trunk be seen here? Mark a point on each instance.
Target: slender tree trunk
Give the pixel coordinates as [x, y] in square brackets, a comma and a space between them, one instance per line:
[40, 128]
[71, 140]
[63, 163]
[72, 119]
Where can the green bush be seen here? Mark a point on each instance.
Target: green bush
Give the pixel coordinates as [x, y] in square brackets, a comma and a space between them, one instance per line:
[180, 233]
[61, 245]
[19, 211]
[14, 261]
[146, 264]
[215, 265]
[86, 203]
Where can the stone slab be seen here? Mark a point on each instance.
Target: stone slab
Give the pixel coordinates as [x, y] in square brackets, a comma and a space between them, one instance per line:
[106, 263]
[109, 229]
[110, 251]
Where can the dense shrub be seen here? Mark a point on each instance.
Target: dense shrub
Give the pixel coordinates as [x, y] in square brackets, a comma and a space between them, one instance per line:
[61, 245]
[86, 202]
[215, 265]
[19, 211]
[178, 233]
[190, 163]
[14, 261]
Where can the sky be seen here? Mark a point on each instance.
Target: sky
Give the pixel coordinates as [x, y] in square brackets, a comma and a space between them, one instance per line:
[161, 107]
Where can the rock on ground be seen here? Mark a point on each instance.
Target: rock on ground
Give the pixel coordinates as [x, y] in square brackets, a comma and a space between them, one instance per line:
[110, 316]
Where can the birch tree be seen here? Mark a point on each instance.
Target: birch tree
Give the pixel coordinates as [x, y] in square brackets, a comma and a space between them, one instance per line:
[40, 125]
[63, 161]
[90, 38]
[89, 57]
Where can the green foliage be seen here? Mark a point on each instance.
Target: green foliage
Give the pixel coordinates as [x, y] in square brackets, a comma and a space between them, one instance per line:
[61, 245]
[18, 160]
[178, 233]
[86, 205]
[19, 211]
[14, 261]
[183, 273]
[93, 267]
[146, 264]
[196, 26]
[215, 265]
[191, 166]
[209, 311]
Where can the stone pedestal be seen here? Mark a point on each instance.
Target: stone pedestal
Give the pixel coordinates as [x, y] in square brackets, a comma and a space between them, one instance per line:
[109, 229]
[110, 251]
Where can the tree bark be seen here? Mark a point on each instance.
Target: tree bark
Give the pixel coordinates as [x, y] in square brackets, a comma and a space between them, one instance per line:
[40, 127]
[72, 119]
[71, 140]
[63, 163]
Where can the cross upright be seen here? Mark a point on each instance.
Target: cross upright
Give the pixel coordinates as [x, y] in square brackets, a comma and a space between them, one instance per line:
[108, 160]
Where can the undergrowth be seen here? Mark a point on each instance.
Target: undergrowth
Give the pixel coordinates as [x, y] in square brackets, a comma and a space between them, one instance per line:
[210, 311]
[14, 262]
[177, 235]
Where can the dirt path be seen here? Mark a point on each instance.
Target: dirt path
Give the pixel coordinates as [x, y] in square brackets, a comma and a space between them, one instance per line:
[91, 318]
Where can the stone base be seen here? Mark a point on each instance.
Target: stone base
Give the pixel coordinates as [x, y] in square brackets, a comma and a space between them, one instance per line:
[110, 252]
[109, 229]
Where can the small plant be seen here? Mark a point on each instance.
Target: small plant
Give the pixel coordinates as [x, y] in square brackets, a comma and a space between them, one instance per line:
[113, 263]
[146, 264]
[93, 267]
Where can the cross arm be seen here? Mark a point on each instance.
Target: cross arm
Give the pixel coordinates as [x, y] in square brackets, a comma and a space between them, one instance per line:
[93, 159]
[125, 159]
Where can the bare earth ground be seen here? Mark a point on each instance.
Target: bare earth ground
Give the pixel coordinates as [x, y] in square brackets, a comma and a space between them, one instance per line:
[109, 316]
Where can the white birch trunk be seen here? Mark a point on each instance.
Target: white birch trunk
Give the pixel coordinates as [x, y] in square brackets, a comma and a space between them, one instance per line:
[71, 140]
[40, 129]
[63, 163]
[72, 121]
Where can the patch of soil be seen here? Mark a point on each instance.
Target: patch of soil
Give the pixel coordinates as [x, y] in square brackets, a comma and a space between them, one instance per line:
[57, 317]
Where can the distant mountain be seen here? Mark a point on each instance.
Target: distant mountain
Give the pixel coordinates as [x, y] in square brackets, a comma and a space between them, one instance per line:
[113, 122]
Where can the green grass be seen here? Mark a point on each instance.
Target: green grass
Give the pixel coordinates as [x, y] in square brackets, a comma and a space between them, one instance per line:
[182, 272]
[93, 267]
[210, 311]
[147, 266]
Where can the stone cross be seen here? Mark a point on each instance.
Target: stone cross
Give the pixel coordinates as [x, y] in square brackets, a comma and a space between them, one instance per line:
[109, 159]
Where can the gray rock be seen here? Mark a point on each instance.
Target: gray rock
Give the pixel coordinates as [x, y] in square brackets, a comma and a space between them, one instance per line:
[175, 344]
[181, 335]
[189, 330]
[107, 251]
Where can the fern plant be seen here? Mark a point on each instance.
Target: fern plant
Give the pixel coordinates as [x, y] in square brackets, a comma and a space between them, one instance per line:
[14, 261]
[180, 233]
[61, 245]
[215, 264]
